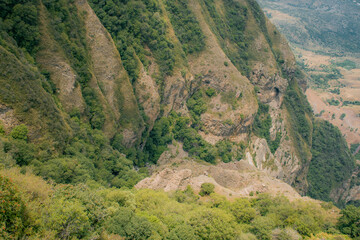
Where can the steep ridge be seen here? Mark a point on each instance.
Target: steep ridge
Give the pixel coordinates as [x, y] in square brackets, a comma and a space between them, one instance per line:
[119, 82]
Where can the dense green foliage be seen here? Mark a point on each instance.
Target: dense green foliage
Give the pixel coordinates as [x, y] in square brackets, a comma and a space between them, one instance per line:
[300, 116]
[20, 132]
[197, 105]
[345, 103]
[186, 26]
[87, 157]
[300, 110]
[94, 212]
[331, 161]
[135, 25]
[20, 20]
[179, 128]
[333, 102]
[206, 189]
[349, 222]
[67, 148]
[262, 124]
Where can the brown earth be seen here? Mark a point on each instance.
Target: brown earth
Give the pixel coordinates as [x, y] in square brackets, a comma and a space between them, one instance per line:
[349, 91]
[175, 171]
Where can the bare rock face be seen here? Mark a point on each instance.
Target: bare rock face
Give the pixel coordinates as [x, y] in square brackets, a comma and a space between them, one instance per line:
[231, 180]
[167, 179]
[271, 87]
[175, 94]
[234, 179]
[147, 92]
[7, 118]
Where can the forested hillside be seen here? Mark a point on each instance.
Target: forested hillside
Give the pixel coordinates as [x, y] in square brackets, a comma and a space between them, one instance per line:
[37, 210]
[96, 95]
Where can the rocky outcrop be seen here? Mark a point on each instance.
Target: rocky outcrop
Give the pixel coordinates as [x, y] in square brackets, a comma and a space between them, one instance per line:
[235, 179]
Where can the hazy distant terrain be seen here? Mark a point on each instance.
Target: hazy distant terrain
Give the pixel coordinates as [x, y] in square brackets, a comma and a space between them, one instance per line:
[326, 25]
[325, 37]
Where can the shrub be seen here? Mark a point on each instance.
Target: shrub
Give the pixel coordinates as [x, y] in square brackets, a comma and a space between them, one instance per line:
[20, 132]
[206, 189]
[210, 92]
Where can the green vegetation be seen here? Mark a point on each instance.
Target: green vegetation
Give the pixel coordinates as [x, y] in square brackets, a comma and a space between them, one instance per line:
[135, 25]
[89, 194]
[353, 148]
[2, 130]
[179, 128]
[342, 116]
[231, 27]
[12, 215]
[68, 29]
[20, 132]
[21, 89]
[261, 20]
[261, 127]
[334, 102]
[186, 26]
[229, 151]
[206, 189]
[347, 64]
[197, 105]
[87, 157]
[210, 92]
[320, 114]
[346, 103]
[331, 163]
[321, 80]
[335, 91]
[300, 116]
[349, 222]
[20, 20]
[90, 211]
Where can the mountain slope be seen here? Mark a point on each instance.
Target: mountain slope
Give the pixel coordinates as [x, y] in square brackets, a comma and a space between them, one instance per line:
[118, 82]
